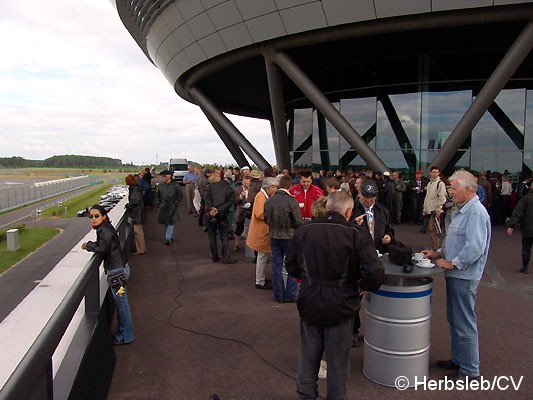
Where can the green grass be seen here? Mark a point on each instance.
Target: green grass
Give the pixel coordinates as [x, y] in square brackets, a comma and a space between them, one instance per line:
[75, 204]
[30, 239]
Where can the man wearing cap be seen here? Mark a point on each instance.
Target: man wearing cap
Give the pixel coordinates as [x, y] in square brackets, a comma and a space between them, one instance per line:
[373, 215]
[245, 171]
[306, 193]
[417, 191]
[168, 197]
[255, 185]
[376, 219]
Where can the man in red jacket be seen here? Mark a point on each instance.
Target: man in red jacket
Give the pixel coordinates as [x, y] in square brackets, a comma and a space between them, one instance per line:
[306, 194]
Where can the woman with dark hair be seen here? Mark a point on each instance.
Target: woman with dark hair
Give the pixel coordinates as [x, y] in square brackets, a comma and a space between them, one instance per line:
[117, 270]
[135, 207]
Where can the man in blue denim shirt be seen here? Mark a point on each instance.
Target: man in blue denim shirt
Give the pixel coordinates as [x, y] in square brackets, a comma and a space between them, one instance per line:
[464, 255]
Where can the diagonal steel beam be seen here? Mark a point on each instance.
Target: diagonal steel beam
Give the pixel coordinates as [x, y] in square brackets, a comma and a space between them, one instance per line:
[278, 123]
[234, 150]
[236, 136]
[320, 101]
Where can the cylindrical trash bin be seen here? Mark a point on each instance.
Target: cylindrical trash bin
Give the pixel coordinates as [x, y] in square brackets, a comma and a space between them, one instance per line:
[397, 331]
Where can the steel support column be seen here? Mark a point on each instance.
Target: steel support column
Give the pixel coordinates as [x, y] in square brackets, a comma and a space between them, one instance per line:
[234, 150]
[279, 122]
[321, 102]
[235, 135]
[496, 82]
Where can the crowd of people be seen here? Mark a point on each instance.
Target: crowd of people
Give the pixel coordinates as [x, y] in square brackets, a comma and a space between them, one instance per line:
[322, 233]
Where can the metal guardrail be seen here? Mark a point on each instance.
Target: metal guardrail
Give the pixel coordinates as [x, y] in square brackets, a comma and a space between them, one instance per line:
[33, 378]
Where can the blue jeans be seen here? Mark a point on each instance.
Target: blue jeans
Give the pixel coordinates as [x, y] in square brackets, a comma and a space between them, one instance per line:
[460, 303]
[124, 321]
[336, 342]
[169, 232]
[281, 292]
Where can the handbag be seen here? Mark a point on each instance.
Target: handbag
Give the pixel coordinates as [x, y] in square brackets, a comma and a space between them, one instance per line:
[400, 254]
[117, 279]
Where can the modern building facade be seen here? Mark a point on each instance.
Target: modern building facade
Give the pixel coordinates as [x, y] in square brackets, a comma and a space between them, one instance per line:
[398, 84]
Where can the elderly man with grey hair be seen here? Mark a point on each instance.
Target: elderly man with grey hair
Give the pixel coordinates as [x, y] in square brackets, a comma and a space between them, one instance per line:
[464, 256]
[258, 238]
[330, 255]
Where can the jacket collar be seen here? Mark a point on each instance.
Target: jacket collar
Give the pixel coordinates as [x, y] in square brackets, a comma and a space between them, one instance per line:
[334, 216]
[284, 191]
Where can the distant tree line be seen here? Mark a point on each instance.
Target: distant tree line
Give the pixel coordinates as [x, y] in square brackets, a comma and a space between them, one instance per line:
[71, 161]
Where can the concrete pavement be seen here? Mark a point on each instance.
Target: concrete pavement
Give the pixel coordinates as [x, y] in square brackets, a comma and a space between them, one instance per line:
[203, 328]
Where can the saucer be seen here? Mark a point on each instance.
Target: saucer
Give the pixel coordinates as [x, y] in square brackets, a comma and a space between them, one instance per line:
[431, 265]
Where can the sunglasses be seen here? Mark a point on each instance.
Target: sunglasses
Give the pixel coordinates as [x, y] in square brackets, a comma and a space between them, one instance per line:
[91, 216]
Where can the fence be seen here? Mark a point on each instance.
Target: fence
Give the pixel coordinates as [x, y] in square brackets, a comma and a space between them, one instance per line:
[13, 197]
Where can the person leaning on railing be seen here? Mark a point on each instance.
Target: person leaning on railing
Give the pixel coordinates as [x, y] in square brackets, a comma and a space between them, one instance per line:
[116, 268]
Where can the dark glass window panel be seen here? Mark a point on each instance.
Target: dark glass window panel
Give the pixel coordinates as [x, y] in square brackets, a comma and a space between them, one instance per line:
[528, 134]
[441, 111]
[496, 161]
[406, 108]
[303, 125]
[393, 159]
[361, 114]
[503, 128]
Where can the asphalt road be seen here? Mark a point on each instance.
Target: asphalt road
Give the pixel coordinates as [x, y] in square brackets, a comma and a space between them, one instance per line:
[21, 279]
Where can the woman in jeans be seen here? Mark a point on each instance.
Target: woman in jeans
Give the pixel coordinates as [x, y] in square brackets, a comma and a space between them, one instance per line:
[107, 245]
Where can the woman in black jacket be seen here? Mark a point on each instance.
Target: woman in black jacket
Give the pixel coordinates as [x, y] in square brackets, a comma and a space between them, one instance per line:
[107, 245]
[135, 207]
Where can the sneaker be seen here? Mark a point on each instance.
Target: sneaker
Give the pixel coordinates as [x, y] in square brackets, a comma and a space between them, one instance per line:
[447, 364]
[524, 270]
[293, 300]
[323, 371]
[263, 287]
[460, 377]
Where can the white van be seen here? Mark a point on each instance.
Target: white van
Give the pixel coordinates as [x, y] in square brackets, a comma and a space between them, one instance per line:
[179, 166]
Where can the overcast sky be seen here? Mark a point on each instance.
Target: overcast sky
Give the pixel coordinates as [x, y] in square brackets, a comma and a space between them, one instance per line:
[73, 81]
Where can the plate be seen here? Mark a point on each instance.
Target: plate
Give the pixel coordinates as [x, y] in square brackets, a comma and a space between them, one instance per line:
[431, 265]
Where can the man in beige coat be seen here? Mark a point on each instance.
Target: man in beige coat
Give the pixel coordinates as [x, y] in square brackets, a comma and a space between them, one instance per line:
[433, 202]
[258, 238]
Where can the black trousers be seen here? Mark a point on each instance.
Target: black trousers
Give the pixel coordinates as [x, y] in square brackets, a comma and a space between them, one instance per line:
[527, 242]
[219, 224]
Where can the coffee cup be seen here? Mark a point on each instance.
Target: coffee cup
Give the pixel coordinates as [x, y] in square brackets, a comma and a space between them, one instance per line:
[425, 262]
[418, 256]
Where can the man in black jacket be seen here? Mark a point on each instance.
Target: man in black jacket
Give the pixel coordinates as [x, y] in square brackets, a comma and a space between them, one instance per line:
[373, 216]
[218, 200]
[282, 215]
[417, 194]
[523, 216]
[330, 255]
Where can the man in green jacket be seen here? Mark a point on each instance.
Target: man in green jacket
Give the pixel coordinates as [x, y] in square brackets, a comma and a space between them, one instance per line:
[523, 215]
